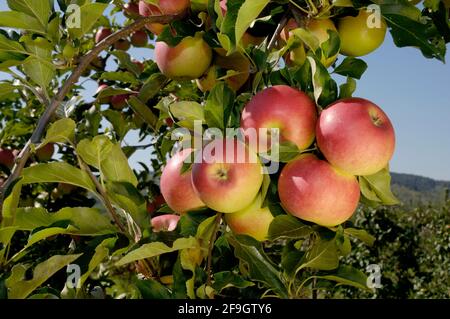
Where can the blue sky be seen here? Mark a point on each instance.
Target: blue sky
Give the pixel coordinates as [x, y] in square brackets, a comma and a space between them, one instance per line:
[412, 90]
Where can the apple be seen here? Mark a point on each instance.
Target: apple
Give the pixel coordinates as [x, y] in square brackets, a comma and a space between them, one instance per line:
[155, 204]
[357, 38]
[226, 175]
[119, 101]
[176, 187]
[122, 44]
[288, 109]
[139, 64]
[7, 158]
[167, 222]
[131, 10]
[102, 33]
[297, 54]
[253, 220]
[165, 7]
[139, 38]
[189, 59]
[97, 63]
[106, 99]
[356, 136]
[315, 191]
[319, 28]
[45, 153]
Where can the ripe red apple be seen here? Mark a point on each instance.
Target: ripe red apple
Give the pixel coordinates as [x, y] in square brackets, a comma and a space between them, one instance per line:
[45, 153]
[167, 222]
[7, 158]
[226, 175]
[177, 188]
[139, 64]
[313, 190]
[102, 33]
[189, 59]
[131, 10]
[167, 7]
[356, 136]
[122, 44]
[285, 108]
[252, 220]
[155, 204]
[118, 102]
[139, 38]
[106, 99]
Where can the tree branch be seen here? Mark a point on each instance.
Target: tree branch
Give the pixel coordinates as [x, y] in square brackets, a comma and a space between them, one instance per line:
[65, 89]
[277, 32]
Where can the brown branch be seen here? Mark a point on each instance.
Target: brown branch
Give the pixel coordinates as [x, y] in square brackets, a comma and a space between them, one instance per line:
[65, 89]
[210, 248]
[277, 32]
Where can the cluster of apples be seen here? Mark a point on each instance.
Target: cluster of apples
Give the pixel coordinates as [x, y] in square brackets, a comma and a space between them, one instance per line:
[353, 135]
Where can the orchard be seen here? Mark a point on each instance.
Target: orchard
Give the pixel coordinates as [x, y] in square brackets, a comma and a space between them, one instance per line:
[259, 159]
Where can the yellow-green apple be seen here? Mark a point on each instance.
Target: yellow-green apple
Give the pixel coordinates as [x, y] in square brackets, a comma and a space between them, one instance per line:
[319, 28]
[176, 187]
[166, 222]
[139, 38]
[315, 191]
[356, 136]
[189, 59]
[226, 175]
[288, 109]
[131, 10]
[102, 33]
[358, 36]
[253, 220]
[119, 101]
[45, 153]
[6, 158]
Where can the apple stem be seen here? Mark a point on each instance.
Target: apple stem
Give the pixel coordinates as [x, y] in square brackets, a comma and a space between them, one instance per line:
[210, 248]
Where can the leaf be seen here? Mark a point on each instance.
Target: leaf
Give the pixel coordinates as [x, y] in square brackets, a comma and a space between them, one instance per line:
[94, 151]
[250, 252]
[10, 203]
[323, 255]
[247, 13]
[361, 234]
[325, 88]
[6, 91]
[89, 15]
[20, 288]
[284, 152]
[377, 187]
[347, 89]
[331, 47]
[143, 111]
[61, 131]
[38, 9]
[120, 76]
[156, 249]
[126, 63]
[151, 289]
[88, 221]
[39, 65]
[227, 35]
[286, 226]
[187, 112]
[226, 279]
[352, 67]
[20, 20]
[13, 48]
[151, 87]
[57, 172]
[347, 275]
[218, 106]
[101, 252]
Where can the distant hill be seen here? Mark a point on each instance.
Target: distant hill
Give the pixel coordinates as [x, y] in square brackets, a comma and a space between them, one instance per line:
[412, 190]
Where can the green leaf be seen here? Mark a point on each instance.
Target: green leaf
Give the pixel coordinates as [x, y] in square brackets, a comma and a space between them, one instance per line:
[347, 275]
[20, 20]
[61, 131]
[250, 253]
[325, 88]
[347, 89]
[101, 252]
[227, 35]
[187, 112]
[143, 111]
[38, 9]
[323, 255]
[125, 62]
[19, 288]
[120, 76]
[94, 151]
[57, 172]
[361, 234]
[156, 249]
[247, 13]
[284, 152]
[352, 67]
[89, 15]
[13, 48]
[151, 289]
[286, 226]
[39, 65]
[226, 279]
[6, 91]
[151, 87]
[218, 106]
[331, 47]
[377, 187]
[119, 122]
[10, 203]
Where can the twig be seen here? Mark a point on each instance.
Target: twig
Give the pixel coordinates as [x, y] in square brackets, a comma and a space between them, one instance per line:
[59, 97]
[277, 32]
[210, 248]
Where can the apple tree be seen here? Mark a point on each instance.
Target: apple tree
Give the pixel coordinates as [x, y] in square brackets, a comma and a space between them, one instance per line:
[77, 221]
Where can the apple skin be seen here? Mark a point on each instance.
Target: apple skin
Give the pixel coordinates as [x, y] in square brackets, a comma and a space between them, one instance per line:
[357, 39]
[139, 38]
[177, 188]
[118, 102]
[131, 10]
[155, 204]
[122, 44]
[7, 158]
[297, 54]
[139, 64]
[166, 7]
[106, 99]
[319, 28]
[223, 180]
[313, 190]
[356, 136]
[45, 153]
[102, 33]
[189, 59]
[252, 220]
[283, 107]
[166, 222]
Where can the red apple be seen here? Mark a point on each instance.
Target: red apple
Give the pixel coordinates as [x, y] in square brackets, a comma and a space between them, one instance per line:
[118, 102]
[139, 38]
[45, 153]
[189, 59]
[252, 220]
[131, 10]
[102, 33]
[226, 175]
[7, 158]
[167, 222]
[168, 7]
[285, 108]
[122, 44]
[177, 188]
[139, 64]
[155, 204]
[313, 190]
[356, 136]
[106, 99]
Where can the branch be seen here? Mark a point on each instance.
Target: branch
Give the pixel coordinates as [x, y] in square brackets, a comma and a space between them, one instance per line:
[210, 248]
[277, 32]
[65, 89]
